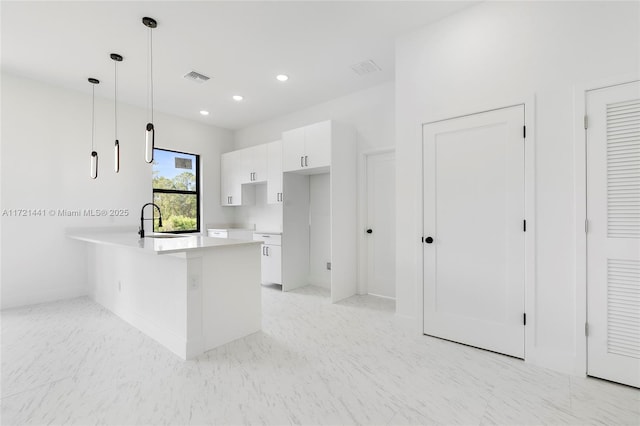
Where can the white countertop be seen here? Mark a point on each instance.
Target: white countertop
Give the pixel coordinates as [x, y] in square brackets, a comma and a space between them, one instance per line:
[156, 245]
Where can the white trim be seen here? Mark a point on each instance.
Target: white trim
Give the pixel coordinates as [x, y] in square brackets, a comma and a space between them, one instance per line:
[362, 214]
[381, 296]
[530, 305]
[529, 103]
[580, 206]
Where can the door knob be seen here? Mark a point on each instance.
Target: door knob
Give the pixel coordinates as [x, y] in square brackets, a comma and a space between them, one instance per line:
[428, 240]
[369, 231]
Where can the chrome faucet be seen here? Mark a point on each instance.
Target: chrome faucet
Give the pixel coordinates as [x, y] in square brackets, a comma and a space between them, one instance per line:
[141, 231]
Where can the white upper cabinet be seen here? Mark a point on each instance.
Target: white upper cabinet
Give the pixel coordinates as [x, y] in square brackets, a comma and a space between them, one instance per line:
[274, 172]
[253, 164]
[231, 188]
[293, 154]
[317, 142]
[307, 147]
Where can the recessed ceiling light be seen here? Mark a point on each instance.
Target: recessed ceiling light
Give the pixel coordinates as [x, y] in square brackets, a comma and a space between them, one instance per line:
[237, 98]
[203, 112]
[282, 77]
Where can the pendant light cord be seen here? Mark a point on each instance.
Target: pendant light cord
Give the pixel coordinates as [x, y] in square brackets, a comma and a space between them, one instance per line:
[115, 97]
[150, 88]
[93, 113]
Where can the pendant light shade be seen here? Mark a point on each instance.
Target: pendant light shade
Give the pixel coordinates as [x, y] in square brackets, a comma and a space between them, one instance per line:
[149, 143]
[94, 165]
[93, 173]
[116, 147]
[150, 130]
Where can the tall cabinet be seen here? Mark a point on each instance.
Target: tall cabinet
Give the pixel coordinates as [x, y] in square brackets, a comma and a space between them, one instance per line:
[325, 147]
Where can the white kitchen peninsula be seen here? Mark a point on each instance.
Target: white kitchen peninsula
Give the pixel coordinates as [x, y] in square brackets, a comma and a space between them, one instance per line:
[189, 293]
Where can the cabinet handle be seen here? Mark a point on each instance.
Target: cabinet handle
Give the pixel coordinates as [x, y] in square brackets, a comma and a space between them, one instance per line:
[267, 250]
[301, 161]
[305, 161]
[231, 199]
[263, 249]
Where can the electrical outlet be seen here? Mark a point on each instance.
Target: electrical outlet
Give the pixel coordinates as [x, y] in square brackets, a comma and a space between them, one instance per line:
[329, 266]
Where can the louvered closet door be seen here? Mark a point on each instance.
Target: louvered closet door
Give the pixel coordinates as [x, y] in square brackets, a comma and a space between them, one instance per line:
[613, 238]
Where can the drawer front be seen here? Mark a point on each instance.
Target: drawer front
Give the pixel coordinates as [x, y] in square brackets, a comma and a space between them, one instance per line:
[273, 239]
[217, 233]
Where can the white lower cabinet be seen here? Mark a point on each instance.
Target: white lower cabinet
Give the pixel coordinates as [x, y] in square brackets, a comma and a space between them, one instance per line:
[271, 258]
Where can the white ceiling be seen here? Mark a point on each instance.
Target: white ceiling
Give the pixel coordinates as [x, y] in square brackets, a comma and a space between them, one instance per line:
[240, 45]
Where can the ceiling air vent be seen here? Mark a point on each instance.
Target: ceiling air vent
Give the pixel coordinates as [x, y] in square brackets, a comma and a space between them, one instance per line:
[196, 76]
[365, 67]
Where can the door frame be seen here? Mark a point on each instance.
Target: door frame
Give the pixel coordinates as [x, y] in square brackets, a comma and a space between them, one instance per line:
[530, 215]
[580, 178]
[363, 159]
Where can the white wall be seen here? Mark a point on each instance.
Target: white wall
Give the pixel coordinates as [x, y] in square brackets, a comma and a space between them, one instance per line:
[370, 112]
[265, 217]
[489, 56]
[46, 136]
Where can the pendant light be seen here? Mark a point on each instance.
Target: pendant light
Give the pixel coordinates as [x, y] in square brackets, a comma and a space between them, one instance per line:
[94, 155]
[150, 130]
[116, 147]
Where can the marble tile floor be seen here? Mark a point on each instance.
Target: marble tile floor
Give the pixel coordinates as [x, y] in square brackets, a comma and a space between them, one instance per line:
[74, 363]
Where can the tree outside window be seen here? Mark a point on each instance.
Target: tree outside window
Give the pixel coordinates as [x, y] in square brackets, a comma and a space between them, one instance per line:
[176, 190]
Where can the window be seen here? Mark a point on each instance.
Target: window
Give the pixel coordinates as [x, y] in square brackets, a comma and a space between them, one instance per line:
[176, 190]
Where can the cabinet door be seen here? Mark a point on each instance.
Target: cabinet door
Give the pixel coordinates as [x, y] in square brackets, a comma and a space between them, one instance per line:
[258, 161]
[271, 264]
[274, 172]
[244, 165]
[293, 150]
[230, 187]
[317, 142]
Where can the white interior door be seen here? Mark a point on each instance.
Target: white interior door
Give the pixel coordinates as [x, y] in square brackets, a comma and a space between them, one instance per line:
[473, 228]
[381, 253]
[613, 238]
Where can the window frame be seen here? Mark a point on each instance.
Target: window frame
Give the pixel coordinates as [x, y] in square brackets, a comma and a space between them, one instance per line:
[180, 191]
